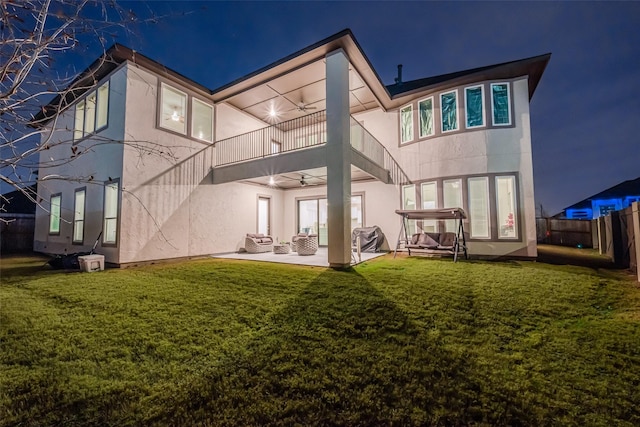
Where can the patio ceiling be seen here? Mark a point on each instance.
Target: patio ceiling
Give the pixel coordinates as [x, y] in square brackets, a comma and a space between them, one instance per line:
[312, 177]
[298, 93]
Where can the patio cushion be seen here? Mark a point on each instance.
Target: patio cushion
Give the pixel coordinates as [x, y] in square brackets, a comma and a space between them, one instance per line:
[447, 240]
[427, 240]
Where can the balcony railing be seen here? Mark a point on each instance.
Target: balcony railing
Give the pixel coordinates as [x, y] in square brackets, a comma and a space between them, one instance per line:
[365, 143]
[300, 133]
[294, 134]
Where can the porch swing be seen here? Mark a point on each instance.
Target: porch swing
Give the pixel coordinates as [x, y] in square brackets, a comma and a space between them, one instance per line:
[433, 243]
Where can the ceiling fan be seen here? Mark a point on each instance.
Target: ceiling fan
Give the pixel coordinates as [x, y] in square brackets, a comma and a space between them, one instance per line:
[302, 107]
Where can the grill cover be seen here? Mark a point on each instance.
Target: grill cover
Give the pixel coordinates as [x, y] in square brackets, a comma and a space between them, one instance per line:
[371, 238]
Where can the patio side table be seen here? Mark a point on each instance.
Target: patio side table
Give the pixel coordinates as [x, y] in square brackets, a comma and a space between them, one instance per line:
[281, 249]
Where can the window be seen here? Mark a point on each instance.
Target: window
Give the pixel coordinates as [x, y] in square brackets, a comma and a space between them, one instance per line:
[103, 106]
[78, 132]
[474, 103]
[264, 215]
[406, 124]
[110, 228]
[409, 202]
[452, 198]
[425, 108]
[478, 189]
[449, 107]
[202, 123]
[54, 214]
[506, 207]
[78, 216]
[429, 201]
[500, 104]
[91, 113]
[356, 212]
[174, 109]
[276, 147]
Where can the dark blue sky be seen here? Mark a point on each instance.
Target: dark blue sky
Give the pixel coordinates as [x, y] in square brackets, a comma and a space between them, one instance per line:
[585, 114]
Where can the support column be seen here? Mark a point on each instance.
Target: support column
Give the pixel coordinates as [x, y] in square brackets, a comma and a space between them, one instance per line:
[338, 150]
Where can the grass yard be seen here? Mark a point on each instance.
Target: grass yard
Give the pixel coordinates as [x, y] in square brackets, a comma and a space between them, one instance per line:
[409, 341]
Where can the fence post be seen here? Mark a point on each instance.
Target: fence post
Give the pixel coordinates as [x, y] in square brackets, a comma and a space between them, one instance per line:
[635, 213]
[602, 235]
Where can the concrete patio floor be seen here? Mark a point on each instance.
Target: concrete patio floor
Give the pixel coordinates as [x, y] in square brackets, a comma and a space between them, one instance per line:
[320, 259]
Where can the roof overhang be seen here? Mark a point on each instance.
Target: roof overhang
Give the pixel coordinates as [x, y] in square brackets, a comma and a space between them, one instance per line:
[532, 68]
[299, 73]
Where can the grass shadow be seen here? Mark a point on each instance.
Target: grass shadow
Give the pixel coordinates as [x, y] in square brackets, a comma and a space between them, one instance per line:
[339, 354]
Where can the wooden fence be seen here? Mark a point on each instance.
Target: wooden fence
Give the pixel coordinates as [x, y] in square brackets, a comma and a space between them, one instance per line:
[16, 233]
[565, 232]
[616, 235]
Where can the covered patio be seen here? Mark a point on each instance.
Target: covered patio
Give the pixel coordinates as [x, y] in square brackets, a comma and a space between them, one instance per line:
[320, 259]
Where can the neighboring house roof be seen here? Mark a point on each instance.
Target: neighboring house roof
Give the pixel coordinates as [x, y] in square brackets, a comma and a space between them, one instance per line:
[16, 202]
[620, 191]
[391, 96]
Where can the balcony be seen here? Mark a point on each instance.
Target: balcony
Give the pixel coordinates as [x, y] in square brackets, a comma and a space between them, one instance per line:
[298, 144]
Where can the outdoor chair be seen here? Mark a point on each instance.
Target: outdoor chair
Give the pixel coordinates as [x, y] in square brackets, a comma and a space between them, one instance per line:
[307, 245]
[294, 241]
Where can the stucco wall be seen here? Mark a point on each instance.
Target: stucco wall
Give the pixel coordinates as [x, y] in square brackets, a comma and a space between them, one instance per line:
[94, 167]
[471, 152]
[169, 208]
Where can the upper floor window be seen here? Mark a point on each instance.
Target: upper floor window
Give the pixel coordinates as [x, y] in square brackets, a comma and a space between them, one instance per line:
[500, 104]
[425, 109]
[202, 123]
[449, 108]
[92, 112]
[175, 114]
[406, 124]
[174, 109]
[474, 103]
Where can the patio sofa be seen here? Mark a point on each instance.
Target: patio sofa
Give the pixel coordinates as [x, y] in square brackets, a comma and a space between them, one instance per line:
[433, 241]
[258, 243]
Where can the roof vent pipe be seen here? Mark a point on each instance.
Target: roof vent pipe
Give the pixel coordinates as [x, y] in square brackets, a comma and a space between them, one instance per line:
[399, 78]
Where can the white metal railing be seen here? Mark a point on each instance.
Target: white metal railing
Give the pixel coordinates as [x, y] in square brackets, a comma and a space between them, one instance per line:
[295, 134]
[299, 133]
[365, 143]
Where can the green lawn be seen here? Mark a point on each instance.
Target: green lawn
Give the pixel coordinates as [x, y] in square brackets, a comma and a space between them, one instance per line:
[409, 341]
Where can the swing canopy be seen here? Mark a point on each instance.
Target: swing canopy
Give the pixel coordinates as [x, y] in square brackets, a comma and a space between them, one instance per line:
[446, 213]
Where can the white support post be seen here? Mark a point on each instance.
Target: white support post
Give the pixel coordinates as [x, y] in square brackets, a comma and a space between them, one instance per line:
[338, 150]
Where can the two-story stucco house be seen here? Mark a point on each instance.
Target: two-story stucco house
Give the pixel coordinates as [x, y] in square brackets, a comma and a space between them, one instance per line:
[313, 142]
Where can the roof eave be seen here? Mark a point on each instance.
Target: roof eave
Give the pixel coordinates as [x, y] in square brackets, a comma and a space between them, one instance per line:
[533, 68]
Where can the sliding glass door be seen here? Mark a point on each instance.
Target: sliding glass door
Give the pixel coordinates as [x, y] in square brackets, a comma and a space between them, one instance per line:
[313, 217]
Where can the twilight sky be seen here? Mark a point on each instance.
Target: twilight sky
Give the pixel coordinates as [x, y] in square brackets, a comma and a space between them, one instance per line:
[585, 114]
